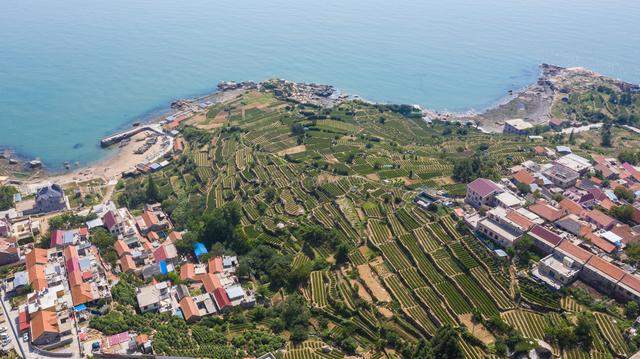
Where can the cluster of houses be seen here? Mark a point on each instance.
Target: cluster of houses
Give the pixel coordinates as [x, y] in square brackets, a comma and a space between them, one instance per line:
[61, 282]
[563, 206]
[21, 223]
[206, 289]
[70, 281]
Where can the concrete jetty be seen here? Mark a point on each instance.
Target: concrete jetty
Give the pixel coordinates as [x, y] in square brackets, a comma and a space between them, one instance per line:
[117, 137]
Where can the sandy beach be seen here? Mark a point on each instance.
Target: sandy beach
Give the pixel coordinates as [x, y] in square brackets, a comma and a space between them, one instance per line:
[123, 159]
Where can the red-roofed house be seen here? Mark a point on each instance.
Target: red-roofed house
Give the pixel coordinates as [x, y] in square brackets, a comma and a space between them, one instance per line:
[221, 298]
[629, 288]
[189, 309]
[545, 211]
[482, 192]
[602, 275]
[211, 282]
[601, 243]
[577, 254]
[600, 219]
[571, 206]
[544, 239]
[215, 265]
[524, 177]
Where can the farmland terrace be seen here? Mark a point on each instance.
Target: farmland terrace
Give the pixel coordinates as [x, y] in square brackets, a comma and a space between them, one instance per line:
[327, 195]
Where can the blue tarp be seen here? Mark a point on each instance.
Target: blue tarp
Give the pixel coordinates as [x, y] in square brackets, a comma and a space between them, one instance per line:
[199, 249]
[163, 267]
[79, 308]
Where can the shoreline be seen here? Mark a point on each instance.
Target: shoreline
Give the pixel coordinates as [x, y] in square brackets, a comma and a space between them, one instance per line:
[539, 94]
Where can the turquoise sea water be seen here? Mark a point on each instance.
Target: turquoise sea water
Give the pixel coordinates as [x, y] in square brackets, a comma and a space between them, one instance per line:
[72, 71]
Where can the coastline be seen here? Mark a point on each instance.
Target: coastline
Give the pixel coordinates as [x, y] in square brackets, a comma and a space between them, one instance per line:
[537, 97]
[116, 159]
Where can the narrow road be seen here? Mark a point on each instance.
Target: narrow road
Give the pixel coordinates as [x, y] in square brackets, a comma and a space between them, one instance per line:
[16, 337]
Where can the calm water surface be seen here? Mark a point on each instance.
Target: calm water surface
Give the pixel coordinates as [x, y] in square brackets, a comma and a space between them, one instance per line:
[73, 71]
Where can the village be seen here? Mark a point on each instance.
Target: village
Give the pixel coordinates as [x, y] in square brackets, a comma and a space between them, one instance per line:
[406, 244]
[61, 285]
[561, 207]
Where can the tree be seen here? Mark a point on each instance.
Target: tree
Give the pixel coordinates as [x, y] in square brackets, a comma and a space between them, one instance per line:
[6, 197]
[624, 194]
[561, 334]
[153, 195]
[342, 253]
[584, 328]
[445, 344]
[605, 135]
[623, 213]
[631, 310]
[629, 156]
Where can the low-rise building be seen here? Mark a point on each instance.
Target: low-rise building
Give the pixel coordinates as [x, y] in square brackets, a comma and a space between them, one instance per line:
[9, 251]
[154, 297]
[517, 126]
[482, 192]
[561, 175]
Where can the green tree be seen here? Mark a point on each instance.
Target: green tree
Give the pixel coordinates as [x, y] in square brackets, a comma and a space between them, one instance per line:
[445, 344]
[631, 310]
[605, 135]
[153, 195]
[6, 197]
[624, 194]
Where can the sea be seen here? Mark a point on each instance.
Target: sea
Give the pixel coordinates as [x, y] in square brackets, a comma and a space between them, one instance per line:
[74, 71]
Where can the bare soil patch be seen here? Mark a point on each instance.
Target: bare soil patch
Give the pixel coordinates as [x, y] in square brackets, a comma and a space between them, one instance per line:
[373, 176]
[292, 150]
[477, 329]
[371, 281]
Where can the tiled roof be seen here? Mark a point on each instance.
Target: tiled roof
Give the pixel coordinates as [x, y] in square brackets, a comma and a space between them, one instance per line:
[221, 298]
[43, 321]
[632, 282]
[189, 308]
[174, 236]
[571, 206]
[36, 256]
[81, 294]
[121, 247]
[483, 187]
[37, 277]
[545, 211]
[215, 265]
[601, 243]
[127, 263]
[520, 220]
[524, 176]
[607, 268]
[574, 251]
[150, 219]
[600, 219]
[546, 235]
[211, 282]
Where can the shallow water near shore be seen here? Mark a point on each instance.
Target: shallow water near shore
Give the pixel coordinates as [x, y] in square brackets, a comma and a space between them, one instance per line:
[74, 71]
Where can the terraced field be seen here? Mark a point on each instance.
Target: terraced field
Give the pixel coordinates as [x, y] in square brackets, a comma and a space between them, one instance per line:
[344, 170]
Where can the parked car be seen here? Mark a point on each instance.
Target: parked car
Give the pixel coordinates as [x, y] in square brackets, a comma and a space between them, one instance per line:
[25, 337]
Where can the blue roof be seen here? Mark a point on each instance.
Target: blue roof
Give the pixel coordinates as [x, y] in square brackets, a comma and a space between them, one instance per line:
[199, 249]
[79, 308]
[163, 267]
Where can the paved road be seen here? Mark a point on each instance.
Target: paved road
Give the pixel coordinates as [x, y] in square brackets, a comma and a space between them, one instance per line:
[11, 326]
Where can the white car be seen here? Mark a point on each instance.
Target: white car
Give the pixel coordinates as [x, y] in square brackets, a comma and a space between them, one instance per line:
[25, 337]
